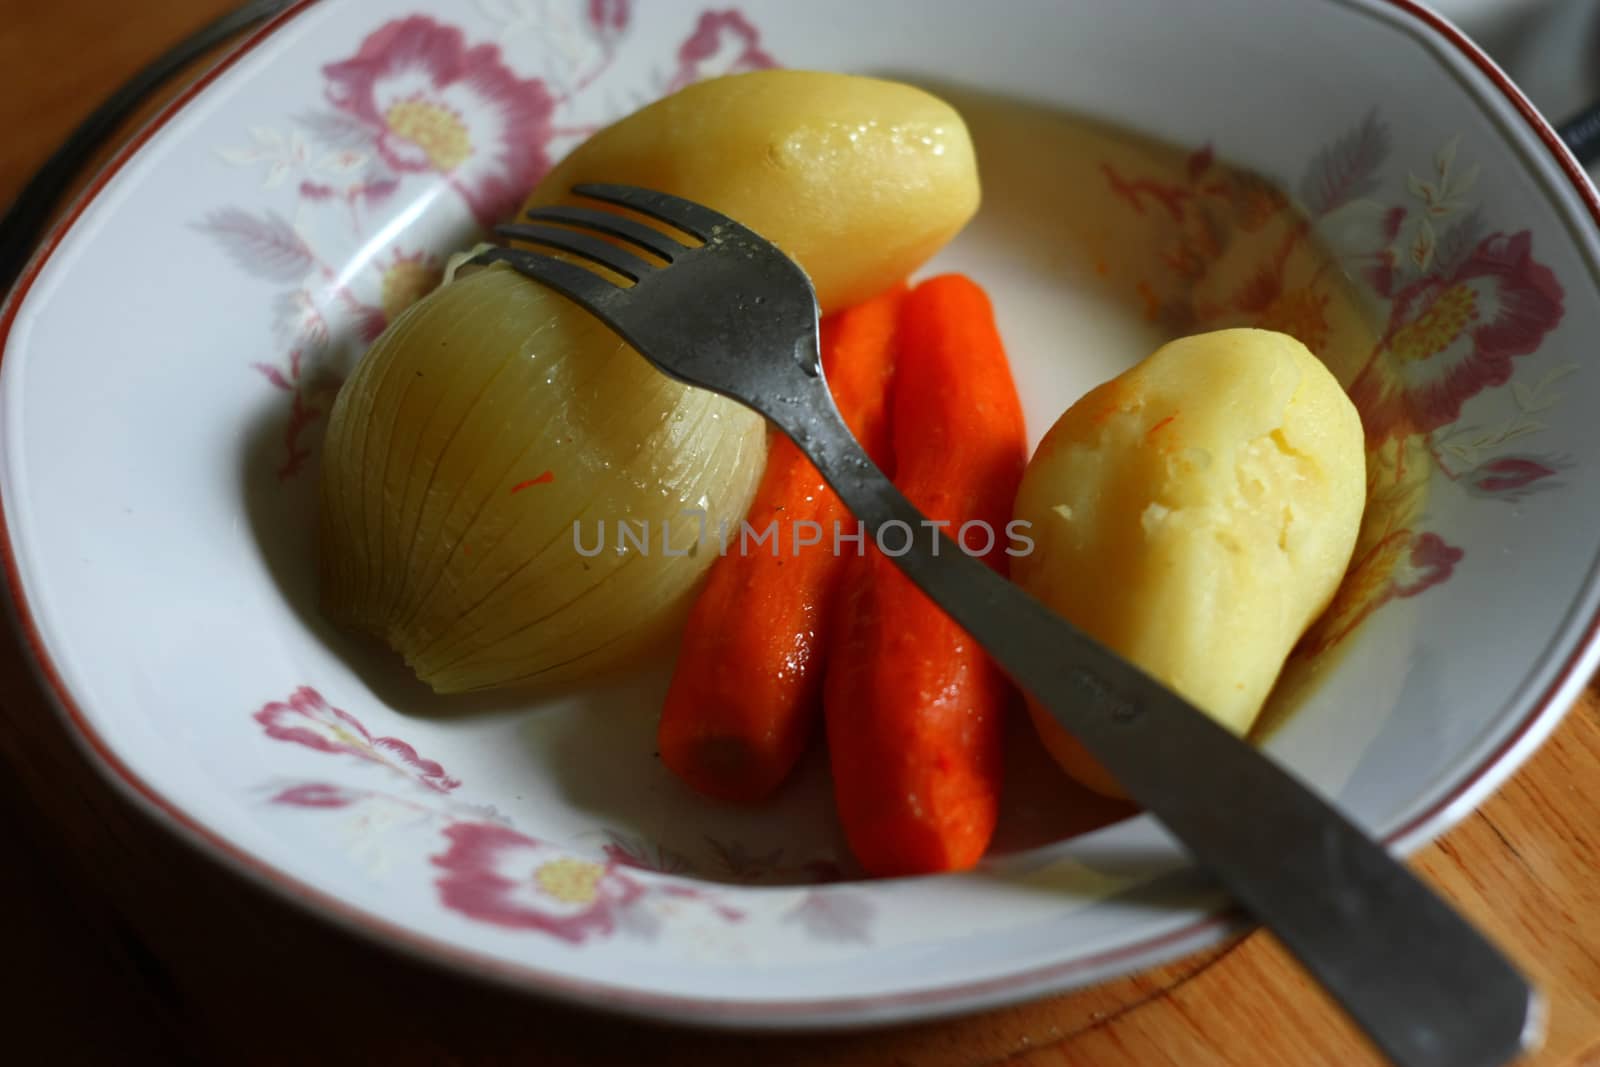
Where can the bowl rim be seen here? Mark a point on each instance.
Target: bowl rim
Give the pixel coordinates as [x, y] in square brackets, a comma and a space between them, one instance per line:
[1541, 718]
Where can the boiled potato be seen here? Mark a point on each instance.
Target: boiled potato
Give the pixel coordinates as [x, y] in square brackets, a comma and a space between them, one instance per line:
[1196, 514]
[859, 180]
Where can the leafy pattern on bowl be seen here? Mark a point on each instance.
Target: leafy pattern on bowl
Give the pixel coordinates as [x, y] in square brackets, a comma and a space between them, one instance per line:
[307, 719]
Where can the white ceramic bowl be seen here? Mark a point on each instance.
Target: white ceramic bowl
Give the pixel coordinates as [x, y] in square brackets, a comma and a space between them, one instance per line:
[166, 365]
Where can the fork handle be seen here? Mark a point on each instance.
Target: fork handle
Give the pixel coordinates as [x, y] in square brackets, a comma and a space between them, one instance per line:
[1427, 988]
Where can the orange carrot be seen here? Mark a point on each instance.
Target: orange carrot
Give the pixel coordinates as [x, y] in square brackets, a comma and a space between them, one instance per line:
[914, 706]
[746, 692]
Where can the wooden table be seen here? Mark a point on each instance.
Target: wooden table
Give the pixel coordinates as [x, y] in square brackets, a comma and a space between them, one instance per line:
[128, 948]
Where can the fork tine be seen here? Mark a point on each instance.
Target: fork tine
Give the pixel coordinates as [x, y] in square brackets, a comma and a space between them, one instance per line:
[568, 279]
[686, 215]
[591, 248]
[608, 222]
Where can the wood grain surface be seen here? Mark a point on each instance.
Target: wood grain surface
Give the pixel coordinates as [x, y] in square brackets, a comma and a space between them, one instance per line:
[126, 947]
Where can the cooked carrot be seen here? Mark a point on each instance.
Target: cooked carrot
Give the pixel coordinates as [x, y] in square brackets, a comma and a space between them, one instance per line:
[914, 706]
[746, 692]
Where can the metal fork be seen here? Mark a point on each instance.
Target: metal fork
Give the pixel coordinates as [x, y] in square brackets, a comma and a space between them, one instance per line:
[724, 309]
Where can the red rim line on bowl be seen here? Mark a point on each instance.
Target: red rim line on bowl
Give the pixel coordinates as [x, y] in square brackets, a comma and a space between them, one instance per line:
[776, 1013]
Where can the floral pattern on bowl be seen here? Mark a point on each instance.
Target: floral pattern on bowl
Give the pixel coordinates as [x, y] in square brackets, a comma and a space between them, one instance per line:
[418, 101]
[492, 873]
[1458, 303]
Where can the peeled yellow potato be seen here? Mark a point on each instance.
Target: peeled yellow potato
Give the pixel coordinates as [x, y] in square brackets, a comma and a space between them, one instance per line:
[1196, 514]
[859, 180]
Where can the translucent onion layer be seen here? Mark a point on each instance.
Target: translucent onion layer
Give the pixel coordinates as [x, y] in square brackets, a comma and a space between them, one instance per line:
[487, 423]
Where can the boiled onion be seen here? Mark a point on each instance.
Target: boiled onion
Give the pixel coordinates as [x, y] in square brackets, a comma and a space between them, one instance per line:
[489, 442]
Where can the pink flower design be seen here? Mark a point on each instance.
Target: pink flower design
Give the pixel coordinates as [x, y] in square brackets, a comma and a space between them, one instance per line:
[1430, 562]
[307, 719]
[316, 795]
[496, 875]
[1511, 477]
[1412, 247]
[608, 20]
[723, 42]
[1450, 336]
[436, 105]
[1403, 564]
